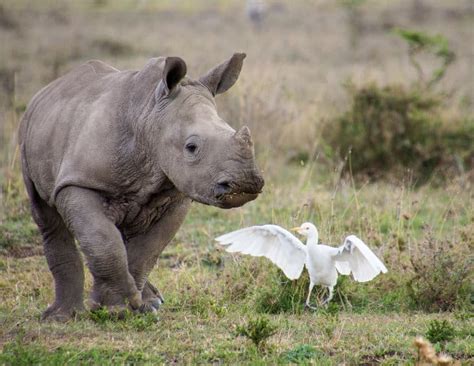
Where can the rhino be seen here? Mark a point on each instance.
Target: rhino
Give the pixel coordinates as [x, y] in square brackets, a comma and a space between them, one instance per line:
[114, 159]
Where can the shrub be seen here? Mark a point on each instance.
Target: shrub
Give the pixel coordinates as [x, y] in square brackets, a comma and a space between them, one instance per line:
[442, 276]
[440, 331]
[258, 331]
[391, 129]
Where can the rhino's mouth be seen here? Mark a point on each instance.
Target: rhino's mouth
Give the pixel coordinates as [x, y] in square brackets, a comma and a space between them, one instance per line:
[236, 199]
[229, 200]
[227, 193]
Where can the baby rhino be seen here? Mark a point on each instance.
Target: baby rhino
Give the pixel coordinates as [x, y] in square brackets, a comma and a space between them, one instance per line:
[114, 159]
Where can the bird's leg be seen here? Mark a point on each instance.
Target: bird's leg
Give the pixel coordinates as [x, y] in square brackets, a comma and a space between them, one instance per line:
[311, 285]
[330, 296]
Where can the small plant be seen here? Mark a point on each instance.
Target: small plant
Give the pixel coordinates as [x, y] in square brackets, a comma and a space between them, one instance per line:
[421, 42]
[303, 353]
[330, 324]
[258, 331]
[440, 331]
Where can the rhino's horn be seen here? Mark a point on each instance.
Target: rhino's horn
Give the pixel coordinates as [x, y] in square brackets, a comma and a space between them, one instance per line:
[243, 136]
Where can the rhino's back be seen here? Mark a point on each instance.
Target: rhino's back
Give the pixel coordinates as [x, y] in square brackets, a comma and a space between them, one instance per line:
[69, 130]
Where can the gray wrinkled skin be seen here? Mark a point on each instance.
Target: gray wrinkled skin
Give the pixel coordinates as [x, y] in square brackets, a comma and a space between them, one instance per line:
[114, 158]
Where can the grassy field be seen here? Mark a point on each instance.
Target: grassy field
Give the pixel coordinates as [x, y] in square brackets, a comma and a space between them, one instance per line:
[291, 87]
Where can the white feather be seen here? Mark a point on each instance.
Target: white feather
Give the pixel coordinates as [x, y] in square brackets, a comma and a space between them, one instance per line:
[270, 241]
[356, 257]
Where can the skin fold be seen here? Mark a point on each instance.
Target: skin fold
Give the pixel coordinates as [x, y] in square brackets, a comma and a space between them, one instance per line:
[114, 159]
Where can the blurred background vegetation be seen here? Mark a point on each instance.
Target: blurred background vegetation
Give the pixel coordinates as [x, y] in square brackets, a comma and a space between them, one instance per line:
[362, 114]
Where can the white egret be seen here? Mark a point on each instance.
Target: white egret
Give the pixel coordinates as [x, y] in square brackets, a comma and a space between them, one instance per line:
[291, 255]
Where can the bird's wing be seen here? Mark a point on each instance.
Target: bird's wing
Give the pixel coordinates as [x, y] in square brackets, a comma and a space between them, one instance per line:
[270, 241]
[356, 257]
[343, 268]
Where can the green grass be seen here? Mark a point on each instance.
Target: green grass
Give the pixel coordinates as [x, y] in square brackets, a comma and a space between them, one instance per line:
[210, 293]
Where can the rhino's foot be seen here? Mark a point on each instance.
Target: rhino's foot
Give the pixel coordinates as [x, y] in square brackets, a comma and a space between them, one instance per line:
[151, 297]
[108, 295]
[62, 313]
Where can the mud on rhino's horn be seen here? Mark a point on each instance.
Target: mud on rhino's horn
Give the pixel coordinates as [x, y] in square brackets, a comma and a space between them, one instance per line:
[222, 77]
[243, 136]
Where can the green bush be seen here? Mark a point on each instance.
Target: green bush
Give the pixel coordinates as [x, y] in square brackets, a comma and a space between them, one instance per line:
[393, 129]
[440, 331]
[258, 331]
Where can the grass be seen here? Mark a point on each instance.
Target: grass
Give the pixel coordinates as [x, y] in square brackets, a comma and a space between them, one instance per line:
[286, 96]
[205, 303]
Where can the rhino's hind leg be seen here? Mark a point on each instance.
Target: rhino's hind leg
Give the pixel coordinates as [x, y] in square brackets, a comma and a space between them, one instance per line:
[63, 259]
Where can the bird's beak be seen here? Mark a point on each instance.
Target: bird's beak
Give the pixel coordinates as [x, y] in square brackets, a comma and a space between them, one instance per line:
[297, 229]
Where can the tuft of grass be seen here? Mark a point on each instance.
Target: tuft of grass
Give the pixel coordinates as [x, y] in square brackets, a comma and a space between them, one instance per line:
[212, 258]
[440, 331]
[281, 295]
[304, 354]
[258, 331]
[124, 318]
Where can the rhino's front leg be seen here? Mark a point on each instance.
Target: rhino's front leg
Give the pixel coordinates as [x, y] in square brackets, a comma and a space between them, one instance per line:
[143, 250]
[101, 242]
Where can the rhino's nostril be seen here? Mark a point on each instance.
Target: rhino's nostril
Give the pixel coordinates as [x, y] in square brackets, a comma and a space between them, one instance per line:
[259, 182]
[222, 188]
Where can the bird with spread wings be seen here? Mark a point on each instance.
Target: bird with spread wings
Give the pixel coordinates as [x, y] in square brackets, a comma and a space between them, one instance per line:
[291, 255]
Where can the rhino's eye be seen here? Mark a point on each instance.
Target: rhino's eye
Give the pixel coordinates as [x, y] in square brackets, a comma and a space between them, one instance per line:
[191, 147]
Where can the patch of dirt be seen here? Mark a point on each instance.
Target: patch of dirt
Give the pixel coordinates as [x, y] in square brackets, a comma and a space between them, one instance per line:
[372, 360]
[24, 251]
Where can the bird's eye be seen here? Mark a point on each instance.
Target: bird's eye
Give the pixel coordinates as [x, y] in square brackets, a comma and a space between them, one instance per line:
[191, 147]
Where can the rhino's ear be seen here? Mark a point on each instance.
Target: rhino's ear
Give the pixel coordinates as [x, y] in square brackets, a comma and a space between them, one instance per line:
[173, 72]
[222, 77]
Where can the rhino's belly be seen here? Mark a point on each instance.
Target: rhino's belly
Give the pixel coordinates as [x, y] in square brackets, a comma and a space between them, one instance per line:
[133, 218]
